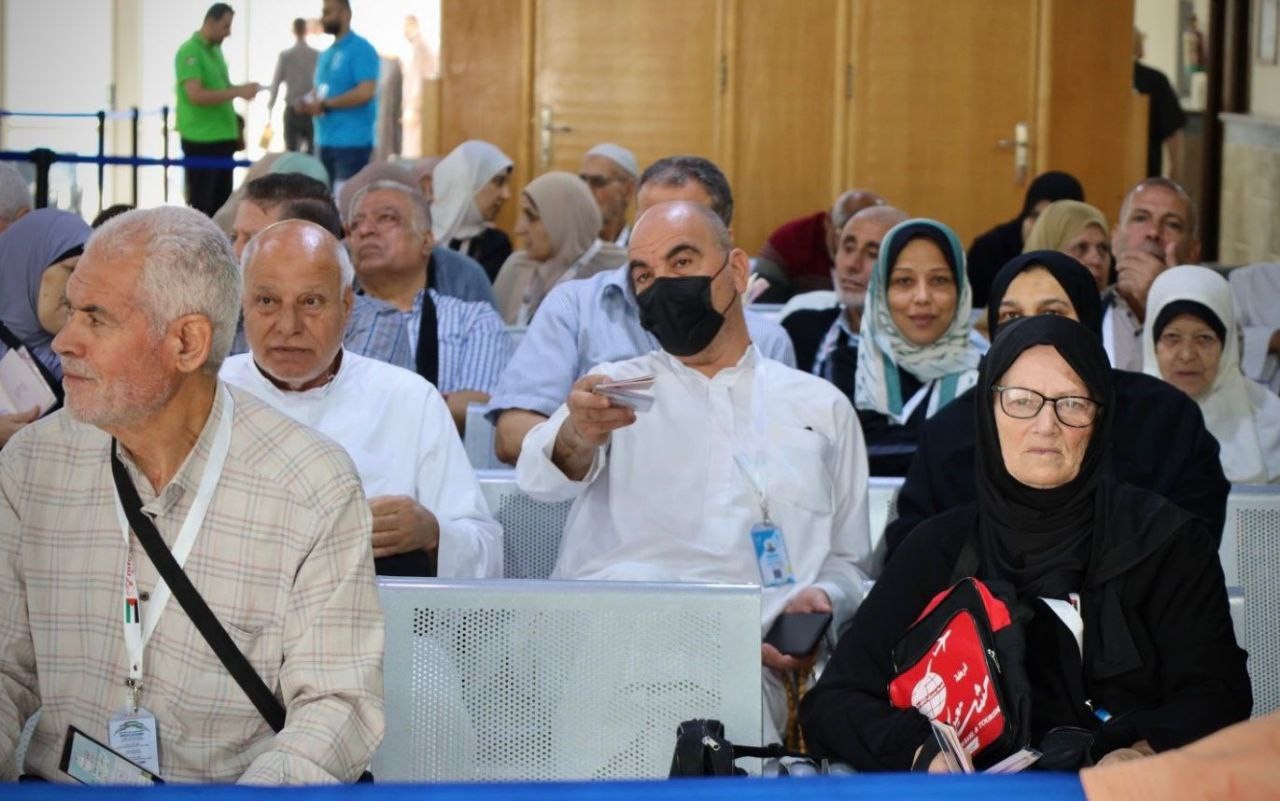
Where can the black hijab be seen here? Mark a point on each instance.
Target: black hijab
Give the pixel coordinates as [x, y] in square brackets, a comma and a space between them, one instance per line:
[1051, 186]
[995, 247]
[1039, 539]
[1074, 278]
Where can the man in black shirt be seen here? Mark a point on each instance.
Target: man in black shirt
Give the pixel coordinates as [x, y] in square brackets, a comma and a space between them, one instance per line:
[1165, 118]
[826, 340]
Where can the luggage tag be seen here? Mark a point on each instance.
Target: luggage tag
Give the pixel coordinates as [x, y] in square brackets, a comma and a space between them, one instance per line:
[771, 555]
[132, 734]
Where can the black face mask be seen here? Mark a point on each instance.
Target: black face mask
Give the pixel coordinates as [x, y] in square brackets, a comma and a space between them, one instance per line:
[679, 312]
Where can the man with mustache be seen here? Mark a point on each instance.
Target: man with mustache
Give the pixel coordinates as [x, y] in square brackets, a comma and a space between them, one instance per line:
[264, 516]
[429, 517]
[1156, 231]
[826, 340]
[459, 346]
[743, 471]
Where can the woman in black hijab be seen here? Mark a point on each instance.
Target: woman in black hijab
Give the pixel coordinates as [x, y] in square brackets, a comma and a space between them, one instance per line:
[991, 250]
[1157, 665]
[1160, 443]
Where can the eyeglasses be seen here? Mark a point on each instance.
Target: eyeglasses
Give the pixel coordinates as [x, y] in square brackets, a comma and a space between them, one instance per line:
[598, 181]
[1023, 404]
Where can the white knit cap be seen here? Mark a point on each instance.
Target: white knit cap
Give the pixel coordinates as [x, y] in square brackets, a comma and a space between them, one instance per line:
[618, 155]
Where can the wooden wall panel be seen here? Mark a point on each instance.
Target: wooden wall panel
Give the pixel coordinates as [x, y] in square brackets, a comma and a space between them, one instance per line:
[937, 84]
[786, 100]
[485, 62]
[643, 75]
[1086, 98]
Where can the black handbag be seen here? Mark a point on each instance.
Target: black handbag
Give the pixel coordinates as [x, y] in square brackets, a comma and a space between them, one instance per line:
[703, 750]
[232, 658]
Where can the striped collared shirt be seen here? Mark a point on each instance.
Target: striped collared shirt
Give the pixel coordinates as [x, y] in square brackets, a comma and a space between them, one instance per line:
[474, 346]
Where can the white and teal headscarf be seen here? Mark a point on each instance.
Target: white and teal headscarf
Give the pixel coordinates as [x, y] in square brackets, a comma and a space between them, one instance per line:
[947, 366]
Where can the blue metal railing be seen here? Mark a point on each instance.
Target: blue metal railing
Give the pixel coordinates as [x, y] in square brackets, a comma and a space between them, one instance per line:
[43, 158]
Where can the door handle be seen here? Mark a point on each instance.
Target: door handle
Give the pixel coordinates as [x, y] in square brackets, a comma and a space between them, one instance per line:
[547, 129]
[1021, 146]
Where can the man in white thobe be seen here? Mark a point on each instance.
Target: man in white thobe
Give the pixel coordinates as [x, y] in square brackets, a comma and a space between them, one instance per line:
[429, 516]
[739, 458]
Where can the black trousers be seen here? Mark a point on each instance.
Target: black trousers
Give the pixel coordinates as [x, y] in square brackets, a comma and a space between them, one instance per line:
[299, 132]
[207, 190]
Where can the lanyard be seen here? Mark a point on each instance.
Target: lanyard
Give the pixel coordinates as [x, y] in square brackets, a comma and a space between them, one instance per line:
[756, 468]
[136, 630]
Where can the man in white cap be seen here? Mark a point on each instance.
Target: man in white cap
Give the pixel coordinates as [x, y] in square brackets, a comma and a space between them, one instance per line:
[611, 172]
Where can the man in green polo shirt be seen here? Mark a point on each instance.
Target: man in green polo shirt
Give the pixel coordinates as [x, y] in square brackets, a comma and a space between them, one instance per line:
[206, 120]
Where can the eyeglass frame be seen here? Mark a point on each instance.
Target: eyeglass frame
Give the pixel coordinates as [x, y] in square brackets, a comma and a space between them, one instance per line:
[1097, 407]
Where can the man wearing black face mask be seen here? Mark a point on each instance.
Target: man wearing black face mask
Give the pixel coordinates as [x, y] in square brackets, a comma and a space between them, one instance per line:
[743, 471]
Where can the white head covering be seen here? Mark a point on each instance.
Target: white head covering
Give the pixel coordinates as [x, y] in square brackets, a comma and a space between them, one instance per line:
[618, 155]
[1241, 414]
[455, 182]
[951, 361]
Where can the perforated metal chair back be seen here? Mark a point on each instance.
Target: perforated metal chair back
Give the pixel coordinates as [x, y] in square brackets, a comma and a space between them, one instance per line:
[539, 681]
[882, 500]
[531, 530]
[1250, 557]
[478, 439]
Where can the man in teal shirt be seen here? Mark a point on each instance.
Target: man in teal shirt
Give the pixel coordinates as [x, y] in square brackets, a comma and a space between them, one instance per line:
[345, 106]
[206, 121]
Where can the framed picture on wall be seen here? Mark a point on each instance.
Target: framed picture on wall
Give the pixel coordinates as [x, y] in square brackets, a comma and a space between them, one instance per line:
[1268, 30]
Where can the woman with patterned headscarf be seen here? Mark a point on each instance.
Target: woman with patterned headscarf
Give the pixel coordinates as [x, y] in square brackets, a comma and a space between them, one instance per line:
[916, 353]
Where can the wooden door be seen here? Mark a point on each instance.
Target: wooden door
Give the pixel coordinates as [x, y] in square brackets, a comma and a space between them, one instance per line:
[788, 95]
[646, 75]
[938, 88]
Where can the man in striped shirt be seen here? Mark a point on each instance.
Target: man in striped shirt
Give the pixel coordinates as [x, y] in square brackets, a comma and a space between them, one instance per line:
[463, 345]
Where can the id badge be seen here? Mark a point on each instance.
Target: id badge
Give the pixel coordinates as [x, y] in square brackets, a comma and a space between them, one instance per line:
[771, 555]
[133, 736]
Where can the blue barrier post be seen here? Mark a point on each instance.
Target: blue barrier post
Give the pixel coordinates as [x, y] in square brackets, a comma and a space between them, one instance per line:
[164, 129]
[42, 157]
[134, 124]
[102, 151]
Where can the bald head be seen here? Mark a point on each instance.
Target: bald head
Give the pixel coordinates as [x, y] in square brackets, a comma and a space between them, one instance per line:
[686, 214]
[297, 300]
[679, 238]
[850, 203]
[682, 240]
[858, 249]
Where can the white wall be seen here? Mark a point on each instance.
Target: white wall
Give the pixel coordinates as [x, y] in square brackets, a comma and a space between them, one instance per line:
[1158, 19]
[1264, 80]
[66, 72]
[68, 64]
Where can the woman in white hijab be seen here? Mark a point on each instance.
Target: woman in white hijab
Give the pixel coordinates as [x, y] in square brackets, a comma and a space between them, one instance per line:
[1194, 344]
[559, 221]
[470, 186]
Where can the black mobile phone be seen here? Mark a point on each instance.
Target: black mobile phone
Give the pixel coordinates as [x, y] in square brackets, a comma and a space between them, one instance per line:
[797, 634]
[90, 762]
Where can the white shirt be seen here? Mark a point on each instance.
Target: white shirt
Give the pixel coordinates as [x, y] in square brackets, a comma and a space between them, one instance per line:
[1121, 333]
[665, 499]
[398, 431]
[1256, 292]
